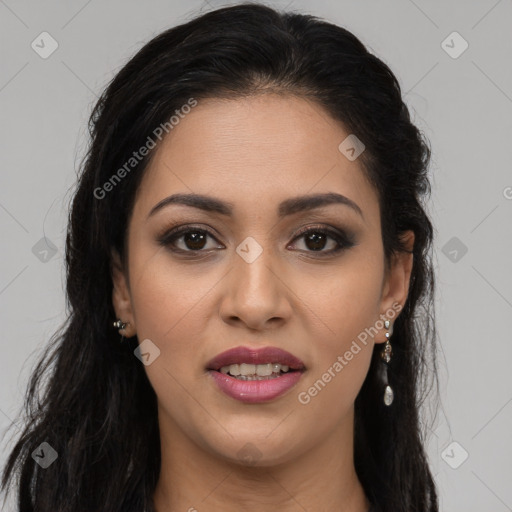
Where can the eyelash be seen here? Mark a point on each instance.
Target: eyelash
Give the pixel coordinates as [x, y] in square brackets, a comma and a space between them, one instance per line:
[344, 240]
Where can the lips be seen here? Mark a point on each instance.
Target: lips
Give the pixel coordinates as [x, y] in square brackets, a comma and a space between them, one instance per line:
[239, 355]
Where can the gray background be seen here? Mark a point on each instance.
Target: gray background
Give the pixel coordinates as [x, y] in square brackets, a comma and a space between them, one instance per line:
[463, 105]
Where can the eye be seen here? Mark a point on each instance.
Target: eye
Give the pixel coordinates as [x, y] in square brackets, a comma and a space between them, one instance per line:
[194, 239]
[315, 240]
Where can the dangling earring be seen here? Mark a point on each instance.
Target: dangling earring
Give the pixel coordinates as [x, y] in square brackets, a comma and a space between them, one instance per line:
[386, 357]
[121, 326]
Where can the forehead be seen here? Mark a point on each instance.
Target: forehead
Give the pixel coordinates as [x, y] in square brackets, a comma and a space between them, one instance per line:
[255, 152]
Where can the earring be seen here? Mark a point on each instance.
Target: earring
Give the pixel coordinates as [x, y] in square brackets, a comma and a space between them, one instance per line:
[386, 357]
[121, 326]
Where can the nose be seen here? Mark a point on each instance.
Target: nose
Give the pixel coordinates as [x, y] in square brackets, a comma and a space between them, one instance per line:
[255, 294]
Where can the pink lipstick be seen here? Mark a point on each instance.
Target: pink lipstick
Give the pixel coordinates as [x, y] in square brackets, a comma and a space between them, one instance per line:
[255, 375]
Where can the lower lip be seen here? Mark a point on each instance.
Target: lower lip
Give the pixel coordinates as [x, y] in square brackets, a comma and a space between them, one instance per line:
[255, 391]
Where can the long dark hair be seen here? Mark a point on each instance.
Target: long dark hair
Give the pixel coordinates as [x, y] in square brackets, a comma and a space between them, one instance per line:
[97, 409]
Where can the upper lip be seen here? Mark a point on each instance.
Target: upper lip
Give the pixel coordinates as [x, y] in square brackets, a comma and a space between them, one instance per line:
[249, 355]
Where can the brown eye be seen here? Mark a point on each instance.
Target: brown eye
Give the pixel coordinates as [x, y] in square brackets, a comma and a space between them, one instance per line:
[316, 239]
[194, 239]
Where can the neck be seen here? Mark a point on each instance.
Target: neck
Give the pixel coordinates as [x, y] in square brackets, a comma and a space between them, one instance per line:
[321, 479]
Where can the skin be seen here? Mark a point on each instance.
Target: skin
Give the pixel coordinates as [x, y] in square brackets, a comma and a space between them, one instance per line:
[255, 153]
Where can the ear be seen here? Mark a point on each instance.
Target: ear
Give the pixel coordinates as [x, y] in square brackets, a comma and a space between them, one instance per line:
[121, 299]
[397, 279]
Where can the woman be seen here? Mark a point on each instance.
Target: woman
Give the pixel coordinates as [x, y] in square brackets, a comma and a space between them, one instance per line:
[247, 256]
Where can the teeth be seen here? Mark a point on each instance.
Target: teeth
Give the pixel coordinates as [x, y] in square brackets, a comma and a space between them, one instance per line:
[260, 370]
[264, 370]
[247, 369]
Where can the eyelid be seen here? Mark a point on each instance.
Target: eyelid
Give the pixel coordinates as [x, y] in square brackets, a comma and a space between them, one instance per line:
[344, 238]
[171, 232]
[169, 238]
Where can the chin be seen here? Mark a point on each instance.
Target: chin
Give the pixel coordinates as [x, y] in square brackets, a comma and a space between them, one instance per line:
[247, 451]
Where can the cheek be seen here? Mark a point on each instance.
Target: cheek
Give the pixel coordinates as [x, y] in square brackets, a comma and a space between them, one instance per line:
[170, 311]
[342, 352]
[170, 303]
[343, 309]
[333, 305]
[345, 299]
[330, 392]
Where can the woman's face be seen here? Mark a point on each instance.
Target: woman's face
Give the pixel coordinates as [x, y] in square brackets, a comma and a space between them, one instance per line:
[253, 280]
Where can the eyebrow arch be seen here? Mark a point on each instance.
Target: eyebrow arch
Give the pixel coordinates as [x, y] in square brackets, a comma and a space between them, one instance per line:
[287, 207]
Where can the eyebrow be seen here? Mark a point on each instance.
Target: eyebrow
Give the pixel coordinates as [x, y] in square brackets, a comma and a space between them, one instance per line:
[287, 207]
